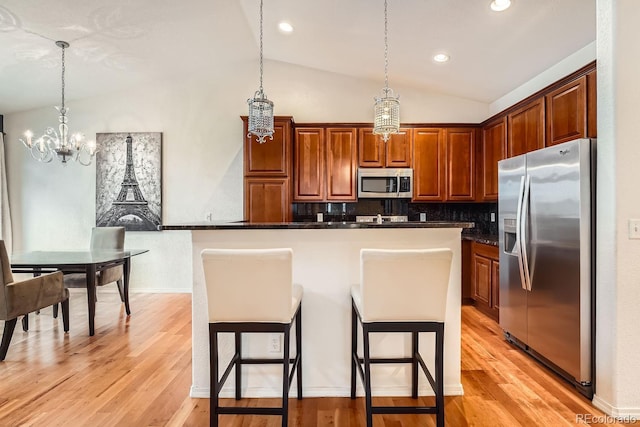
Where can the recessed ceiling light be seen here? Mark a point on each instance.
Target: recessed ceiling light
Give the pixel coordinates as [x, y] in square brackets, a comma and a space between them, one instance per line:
[285, 27]
[500, 5]
[441, 57]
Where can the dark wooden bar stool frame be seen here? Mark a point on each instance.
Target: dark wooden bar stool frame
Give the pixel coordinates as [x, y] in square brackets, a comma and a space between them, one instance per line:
[437, 382]
[290, 366]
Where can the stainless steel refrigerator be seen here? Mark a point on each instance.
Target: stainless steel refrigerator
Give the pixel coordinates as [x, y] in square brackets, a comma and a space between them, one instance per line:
[546, 201]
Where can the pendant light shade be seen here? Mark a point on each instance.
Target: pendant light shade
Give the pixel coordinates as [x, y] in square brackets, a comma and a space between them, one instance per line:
[260, 108]
[260, 117]
[386, 110]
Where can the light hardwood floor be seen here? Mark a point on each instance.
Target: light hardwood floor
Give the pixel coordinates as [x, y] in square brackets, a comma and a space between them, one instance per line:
[137, 372]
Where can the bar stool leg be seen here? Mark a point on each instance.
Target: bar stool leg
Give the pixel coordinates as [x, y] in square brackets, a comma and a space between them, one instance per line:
[354, 349]
[440, 376]
[299, 351]
[367, 376]
[414, 365]
[238, 342]
[285, 378]
[213, 377]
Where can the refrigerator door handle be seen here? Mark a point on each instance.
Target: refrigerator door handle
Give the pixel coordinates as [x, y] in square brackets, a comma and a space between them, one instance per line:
[518, 244]
[523, 231]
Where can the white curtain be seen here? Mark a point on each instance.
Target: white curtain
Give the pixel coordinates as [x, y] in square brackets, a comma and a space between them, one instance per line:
[5, 213]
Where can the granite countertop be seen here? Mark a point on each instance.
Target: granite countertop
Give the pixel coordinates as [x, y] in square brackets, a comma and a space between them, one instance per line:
[486, 239]
[313, 225]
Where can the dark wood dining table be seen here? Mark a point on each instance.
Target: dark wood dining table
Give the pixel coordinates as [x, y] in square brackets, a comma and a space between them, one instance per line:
[88, 262]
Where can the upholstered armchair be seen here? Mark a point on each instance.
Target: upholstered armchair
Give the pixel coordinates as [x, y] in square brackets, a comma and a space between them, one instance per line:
[26, 296]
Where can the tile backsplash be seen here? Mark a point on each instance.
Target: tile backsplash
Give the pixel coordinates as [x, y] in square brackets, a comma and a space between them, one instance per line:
[479, 213]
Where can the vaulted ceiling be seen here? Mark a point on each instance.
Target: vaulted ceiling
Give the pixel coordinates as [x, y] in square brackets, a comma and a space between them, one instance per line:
[118, 44]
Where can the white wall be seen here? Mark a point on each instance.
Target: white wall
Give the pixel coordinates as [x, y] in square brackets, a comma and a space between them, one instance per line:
[562, 69]
[618, 267]
[53, 206]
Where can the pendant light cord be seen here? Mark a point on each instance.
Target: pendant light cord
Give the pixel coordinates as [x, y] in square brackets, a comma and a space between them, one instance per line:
[261, 1]
[386, 50]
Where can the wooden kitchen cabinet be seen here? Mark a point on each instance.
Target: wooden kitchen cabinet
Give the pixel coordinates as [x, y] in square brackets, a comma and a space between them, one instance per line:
[373, 152]
[492, 149]
[341, 164]
[566, 115]
[273, 158]
[267, 171]
[443, 164]
[267, 200]
[486, 279]
[309, 164]
[429, 164]
[460, 152]
[592, 105]
[525, 128]
[325, 164]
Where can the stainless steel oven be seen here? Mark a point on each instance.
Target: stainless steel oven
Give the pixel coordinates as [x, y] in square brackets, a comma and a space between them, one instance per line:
[385, 183]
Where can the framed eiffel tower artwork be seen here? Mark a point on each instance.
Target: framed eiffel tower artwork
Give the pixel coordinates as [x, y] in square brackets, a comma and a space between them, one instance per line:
[129, 180]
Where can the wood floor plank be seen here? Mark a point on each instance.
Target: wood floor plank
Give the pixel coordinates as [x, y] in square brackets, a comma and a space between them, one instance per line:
[136, 371]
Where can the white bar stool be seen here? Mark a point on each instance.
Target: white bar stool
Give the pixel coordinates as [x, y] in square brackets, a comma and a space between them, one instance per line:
[251, 291]
[401, 291]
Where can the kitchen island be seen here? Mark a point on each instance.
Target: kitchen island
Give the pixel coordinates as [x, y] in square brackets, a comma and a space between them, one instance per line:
[326, 263]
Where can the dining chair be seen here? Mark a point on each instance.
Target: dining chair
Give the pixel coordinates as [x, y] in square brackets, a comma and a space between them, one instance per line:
[23, 297]
[251, 291]
[401, 290]
[106, 238]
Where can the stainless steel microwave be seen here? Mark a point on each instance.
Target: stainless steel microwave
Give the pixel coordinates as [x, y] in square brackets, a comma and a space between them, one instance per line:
[396, 183]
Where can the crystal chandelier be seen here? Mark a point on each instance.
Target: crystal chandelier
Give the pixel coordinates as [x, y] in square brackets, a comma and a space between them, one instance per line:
[60, 143]
[260, 108]
[387, 108]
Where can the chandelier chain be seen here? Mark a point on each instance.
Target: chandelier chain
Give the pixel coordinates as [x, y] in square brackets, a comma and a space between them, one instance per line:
[63, 70]
[386, 49]
[261, 1]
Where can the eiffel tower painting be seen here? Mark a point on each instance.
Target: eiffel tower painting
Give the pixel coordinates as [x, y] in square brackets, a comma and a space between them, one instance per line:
[128, 190]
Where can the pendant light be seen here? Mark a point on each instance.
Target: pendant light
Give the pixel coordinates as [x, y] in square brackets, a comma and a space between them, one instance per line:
[387, 108]
[260, 108]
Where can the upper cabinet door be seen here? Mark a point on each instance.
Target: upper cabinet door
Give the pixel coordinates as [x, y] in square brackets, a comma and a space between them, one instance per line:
[526, 128]
[373, 152]
[370, 149]
[429, 164]
[461, 146]
[567, 112]
[271, 158]
[494, 138]
[398, 149]
[342, 164]
[309, 164]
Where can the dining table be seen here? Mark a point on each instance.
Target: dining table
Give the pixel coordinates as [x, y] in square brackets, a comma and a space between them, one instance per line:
[89, 262]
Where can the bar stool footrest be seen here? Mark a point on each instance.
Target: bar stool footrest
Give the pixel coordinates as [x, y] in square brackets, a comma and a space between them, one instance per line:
[241, 410]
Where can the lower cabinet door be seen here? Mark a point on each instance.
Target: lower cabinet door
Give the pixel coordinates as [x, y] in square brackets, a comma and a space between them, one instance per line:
[267, 200]
[482, 280]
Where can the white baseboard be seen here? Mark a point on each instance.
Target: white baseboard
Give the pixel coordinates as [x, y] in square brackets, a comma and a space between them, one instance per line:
[114, 290]
[617, 414]
[160, 291]
[259, 392]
